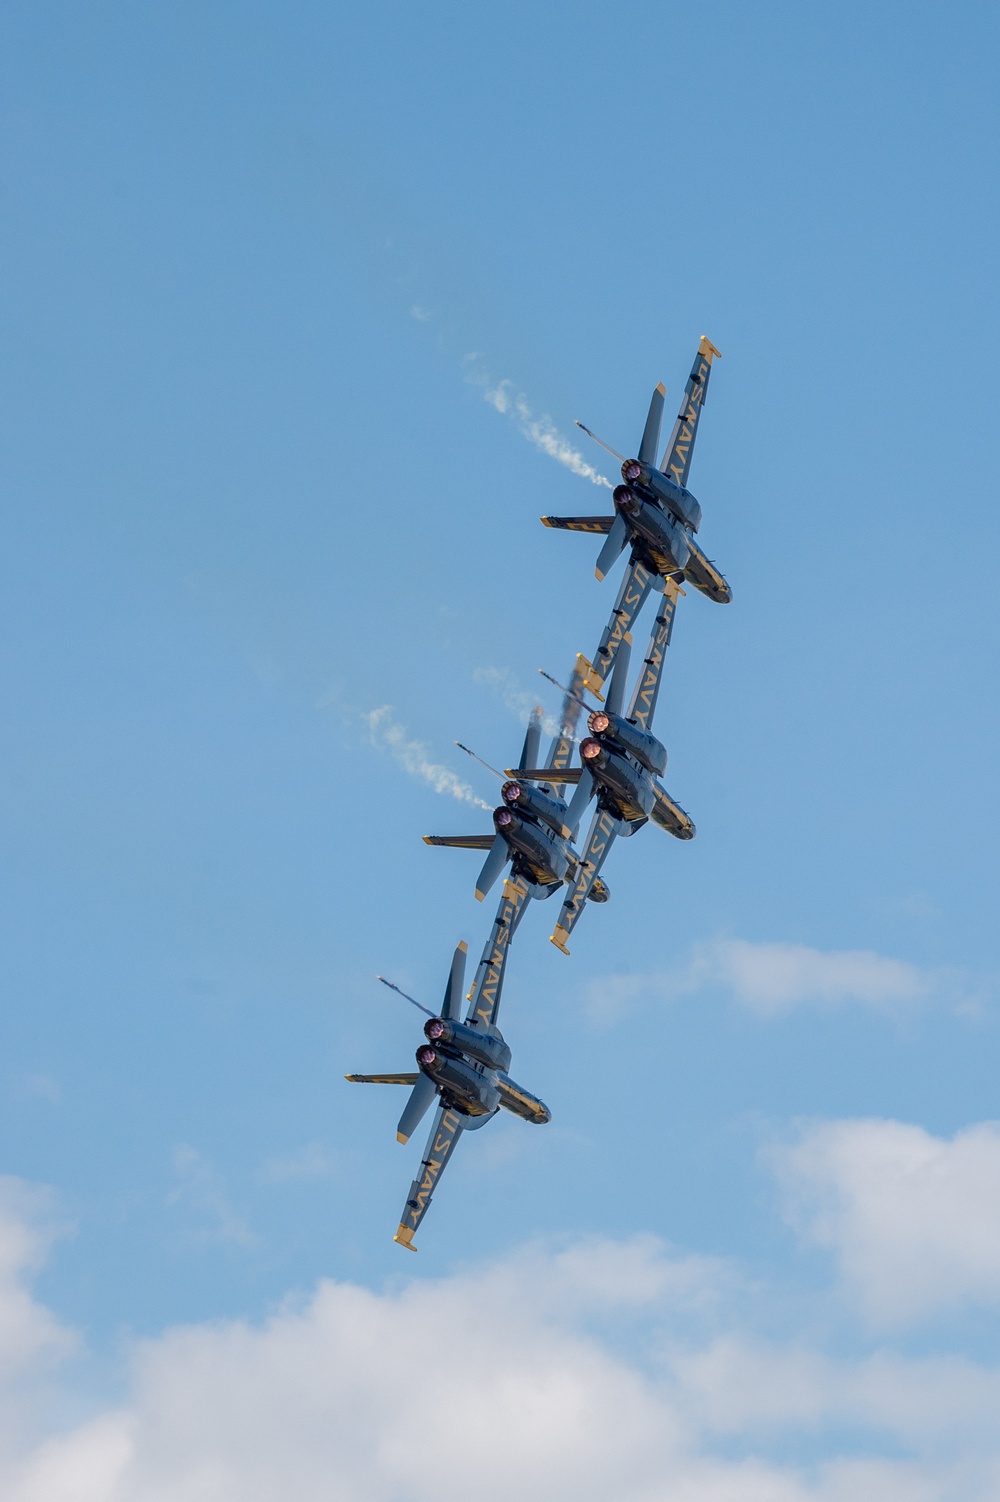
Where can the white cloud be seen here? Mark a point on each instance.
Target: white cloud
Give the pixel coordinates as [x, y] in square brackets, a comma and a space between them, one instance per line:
[359, 1396]
[772, 979]
[912, 1219]
[775, 978]
[538, 429]
[414, 757]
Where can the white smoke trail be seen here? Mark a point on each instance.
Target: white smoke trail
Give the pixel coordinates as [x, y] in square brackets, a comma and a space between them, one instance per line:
[520, 703]
[541, 431]
[414, 757]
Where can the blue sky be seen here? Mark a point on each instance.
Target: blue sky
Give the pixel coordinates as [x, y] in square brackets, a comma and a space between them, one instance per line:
[260, 261]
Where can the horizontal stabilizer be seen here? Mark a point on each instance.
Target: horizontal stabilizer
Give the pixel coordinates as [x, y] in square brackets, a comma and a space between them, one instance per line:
[461, 841]
[382, 1079]
[580, 523]
[543, 774]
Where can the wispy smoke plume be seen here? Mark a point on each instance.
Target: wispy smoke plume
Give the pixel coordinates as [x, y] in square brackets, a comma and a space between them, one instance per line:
[520, 703]
[541, 431]
[414, 757]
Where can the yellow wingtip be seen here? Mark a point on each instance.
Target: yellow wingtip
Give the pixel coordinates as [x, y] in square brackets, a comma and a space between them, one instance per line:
[404, 1237]
[559, 937]
[401, 1138]
[463, 946]
[706, 347]
[661, 388]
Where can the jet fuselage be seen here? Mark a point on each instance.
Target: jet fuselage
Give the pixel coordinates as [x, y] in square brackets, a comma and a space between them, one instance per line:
[624, 787]
[642, 744]
[469, 1070]
[545, 859]
[662, 490]
[663, 517]
[535, 849]
[661, 533]
[628, 789]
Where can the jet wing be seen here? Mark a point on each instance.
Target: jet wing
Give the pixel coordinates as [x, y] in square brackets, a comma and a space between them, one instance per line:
[580, 523]
[382, 1079]
[460, 841]
[677, 458]
[544, 774]
[647, 688]
[631, 598]
[484, 998]
[602, 835]
[445, 1132]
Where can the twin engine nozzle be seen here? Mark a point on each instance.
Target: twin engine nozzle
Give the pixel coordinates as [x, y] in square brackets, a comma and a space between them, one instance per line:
[641, 744]
[486, 1048]
[533, 802]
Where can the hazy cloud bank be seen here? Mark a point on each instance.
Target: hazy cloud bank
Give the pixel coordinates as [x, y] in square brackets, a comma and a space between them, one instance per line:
[772, 979]
[913, 1220]
[354, 1395]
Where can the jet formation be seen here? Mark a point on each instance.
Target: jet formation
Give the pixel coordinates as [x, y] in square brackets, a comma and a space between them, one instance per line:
[463, 1064]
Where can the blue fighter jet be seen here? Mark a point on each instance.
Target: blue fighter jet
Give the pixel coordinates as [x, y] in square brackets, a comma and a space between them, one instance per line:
[657, 514]
[462, 1065]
